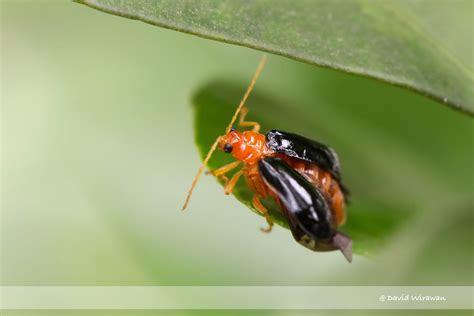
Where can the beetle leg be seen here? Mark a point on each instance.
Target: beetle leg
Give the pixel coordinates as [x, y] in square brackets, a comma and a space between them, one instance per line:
[262, 209]
[224, 169]
[220, 173]
[229, 186]
[243, 123]
[224, 179]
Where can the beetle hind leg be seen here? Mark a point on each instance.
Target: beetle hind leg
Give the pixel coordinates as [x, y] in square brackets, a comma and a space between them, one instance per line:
[263, 210]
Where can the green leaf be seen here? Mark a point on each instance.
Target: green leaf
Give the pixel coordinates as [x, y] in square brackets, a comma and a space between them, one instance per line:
[396, 161]
[422, 46]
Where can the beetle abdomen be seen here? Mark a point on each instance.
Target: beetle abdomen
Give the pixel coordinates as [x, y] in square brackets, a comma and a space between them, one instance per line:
[323, 180]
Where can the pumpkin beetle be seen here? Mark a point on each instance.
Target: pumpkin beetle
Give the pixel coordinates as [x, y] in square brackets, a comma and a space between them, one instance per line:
[302, 176]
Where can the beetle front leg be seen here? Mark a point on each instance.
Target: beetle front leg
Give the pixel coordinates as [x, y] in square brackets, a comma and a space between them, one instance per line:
[228, 184]
[243, 123]
[263, 210]
[224, 169]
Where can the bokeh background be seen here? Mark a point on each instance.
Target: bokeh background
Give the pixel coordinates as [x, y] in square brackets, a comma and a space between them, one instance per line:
[98, 153]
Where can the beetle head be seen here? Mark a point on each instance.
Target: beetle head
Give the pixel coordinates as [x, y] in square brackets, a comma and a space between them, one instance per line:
[230, 141]
[228, 130]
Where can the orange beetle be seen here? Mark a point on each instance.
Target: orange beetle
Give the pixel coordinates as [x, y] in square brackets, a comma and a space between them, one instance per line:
[301, 175]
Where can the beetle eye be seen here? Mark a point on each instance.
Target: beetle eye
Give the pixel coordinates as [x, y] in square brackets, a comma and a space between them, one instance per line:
[232, 129]
[228, 148]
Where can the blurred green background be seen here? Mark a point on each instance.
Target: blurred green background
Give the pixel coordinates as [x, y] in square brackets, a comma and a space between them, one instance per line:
[98, 154]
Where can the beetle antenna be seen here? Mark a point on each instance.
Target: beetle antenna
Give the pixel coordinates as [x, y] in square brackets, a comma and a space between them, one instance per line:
[259, 69]
[201, 169]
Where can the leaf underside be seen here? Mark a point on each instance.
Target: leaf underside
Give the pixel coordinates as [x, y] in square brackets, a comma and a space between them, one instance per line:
[415, 45]
[369, 223]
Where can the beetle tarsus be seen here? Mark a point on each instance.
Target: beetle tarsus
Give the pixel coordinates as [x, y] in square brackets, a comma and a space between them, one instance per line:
[268, 229]
[255, 125]
[263, 210]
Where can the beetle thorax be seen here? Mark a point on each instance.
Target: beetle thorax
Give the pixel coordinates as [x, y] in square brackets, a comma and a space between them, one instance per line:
[247, 146]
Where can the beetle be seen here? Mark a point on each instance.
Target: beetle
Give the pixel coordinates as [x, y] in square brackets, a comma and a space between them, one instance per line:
[303, 177]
